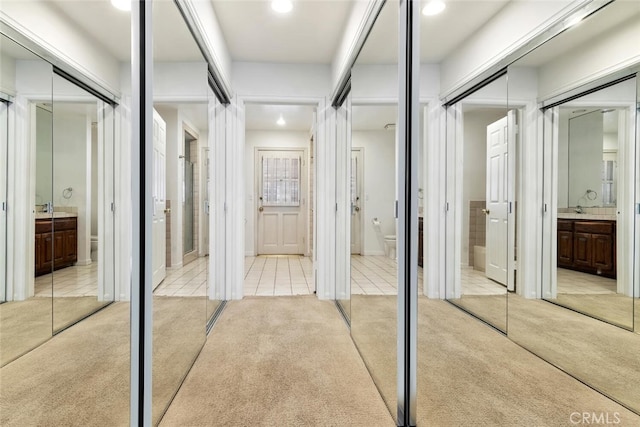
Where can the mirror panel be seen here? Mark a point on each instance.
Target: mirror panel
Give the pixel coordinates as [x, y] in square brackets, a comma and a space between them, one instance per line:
[82, 192]
[481, 138]
[580, 314]
[26, 304]
[374, 283]
[179, 259]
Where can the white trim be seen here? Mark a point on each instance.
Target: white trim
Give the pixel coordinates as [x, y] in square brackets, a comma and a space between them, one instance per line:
[342, 280]
[4, 133]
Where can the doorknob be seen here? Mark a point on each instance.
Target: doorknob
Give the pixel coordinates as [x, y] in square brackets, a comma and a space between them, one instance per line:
[356, 208]
[260, 208]
[167, 210]
[486, 211]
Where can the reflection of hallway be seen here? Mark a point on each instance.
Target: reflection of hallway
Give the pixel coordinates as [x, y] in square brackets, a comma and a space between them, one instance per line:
[376, 275]
[189, 280]
[575, 282]
[270, 275]
[75, 281]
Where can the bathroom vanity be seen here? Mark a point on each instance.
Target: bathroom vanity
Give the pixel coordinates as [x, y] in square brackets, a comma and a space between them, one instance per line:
[588, 246]
[56, 243]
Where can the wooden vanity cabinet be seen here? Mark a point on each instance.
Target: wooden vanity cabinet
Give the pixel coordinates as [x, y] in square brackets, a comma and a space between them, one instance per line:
[56, 244]
[587, 246]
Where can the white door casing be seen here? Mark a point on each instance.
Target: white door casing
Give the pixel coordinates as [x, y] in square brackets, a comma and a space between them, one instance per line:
[159, 203]
[281, 201]
[4, 129]
[356, 181]
[205, 203]
[498, 200]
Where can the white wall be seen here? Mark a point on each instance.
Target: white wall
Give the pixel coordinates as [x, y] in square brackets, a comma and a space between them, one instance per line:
[379, 175]
[71, 160]
[511, 27]
[615, 49]
[585, 158]
[353, 28]
[252, 79]
[47, 26]
[380, 81]
[178, 81]
[7, 74]
[267, 139]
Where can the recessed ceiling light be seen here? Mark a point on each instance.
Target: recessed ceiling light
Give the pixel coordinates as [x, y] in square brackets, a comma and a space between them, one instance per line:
[122, 4]
[433, 7]
[281, 121]
[282, 6]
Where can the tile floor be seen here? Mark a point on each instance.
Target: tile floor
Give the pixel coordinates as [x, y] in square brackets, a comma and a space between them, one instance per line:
[270, 275]
[188, 281]
[374, 275]
[75, 281]
[475, 282]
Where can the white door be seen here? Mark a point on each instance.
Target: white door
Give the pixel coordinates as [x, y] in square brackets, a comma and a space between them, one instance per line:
[4, 128]
[281, 225]
[159, 203]
[497, 208]
[356, 201]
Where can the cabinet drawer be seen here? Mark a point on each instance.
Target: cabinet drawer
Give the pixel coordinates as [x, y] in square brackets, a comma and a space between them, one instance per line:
[595, 227]
[565, 225]
[43, 226]
[62, 224]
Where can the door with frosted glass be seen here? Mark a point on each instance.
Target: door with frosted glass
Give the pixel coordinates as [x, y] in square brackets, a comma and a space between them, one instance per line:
[281, 214]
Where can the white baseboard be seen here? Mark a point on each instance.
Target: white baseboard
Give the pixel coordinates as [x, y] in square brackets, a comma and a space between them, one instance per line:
[83, 262]
[373, 253]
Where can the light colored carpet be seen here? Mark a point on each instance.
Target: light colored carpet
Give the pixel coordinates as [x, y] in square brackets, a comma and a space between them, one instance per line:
[490, 308]
[469, 374]
[25, 325]
[278, 361]
[602, 355]
[80, 377]
[613, 308]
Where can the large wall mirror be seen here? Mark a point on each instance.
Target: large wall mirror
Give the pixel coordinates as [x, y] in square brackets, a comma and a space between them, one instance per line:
[58, 239]
[577, 306]
[481, 137]
[180, 189]
[371, 193]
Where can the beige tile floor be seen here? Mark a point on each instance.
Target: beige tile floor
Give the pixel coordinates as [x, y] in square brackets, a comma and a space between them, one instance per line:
[475, 282]
[74, 281]
[189, 280]
[270, 275]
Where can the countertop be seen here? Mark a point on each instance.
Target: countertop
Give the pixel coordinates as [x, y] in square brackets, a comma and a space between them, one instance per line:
[586, 216]
[41, 215]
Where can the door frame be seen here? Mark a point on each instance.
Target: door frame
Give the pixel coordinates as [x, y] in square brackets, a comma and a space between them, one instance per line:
[304, 206]
[195, 253]
[4, 138]
[360, 181]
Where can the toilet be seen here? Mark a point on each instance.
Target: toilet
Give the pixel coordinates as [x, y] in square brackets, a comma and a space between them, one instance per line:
[389, 240]
[390, 243]
[94, 248]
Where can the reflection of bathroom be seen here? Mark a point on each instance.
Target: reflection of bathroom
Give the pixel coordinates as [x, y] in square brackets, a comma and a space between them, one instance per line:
[379, 193]
[476, 120]
[66, 186]
[587, 197]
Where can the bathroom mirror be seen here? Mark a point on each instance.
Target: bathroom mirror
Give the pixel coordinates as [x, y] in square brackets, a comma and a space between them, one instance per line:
[179, 221]
[579, 279]
[481, 137]
[26, 308]
[372, 194]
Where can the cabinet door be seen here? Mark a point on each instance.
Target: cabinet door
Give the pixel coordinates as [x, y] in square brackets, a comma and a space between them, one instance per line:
[565, 248]
[70, 247]
[46, 253]
[58, 249]
[602, 252]
[582, 249]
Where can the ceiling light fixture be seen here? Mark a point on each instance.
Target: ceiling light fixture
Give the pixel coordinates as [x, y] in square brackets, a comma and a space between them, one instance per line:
[122, 4]
[433, 7]
[281, 121]
[282, 6]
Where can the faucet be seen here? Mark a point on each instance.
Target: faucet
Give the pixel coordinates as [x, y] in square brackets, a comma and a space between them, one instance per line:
[578, 209]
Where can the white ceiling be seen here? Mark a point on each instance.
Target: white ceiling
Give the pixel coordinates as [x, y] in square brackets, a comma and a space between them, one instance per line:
[264, 117]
